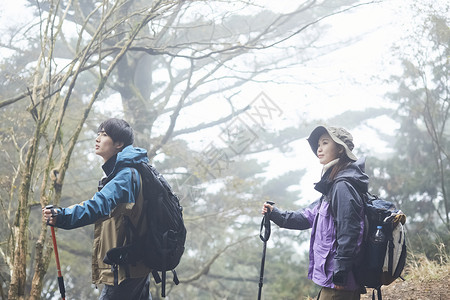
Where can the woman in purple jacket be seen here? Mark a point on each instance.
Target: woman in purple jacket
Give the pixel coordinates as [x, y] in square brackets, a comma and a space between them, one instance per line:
[336, 219]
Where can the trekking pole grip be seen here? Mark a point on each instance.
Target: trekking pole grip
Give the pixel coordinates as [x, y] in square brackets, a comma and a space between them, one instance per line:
[269, 211]
[265, 223]
[54, 213]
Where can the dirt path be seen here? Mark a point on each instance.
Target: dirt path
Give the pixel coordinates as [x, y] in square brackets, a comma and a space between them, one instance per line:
[432, 289]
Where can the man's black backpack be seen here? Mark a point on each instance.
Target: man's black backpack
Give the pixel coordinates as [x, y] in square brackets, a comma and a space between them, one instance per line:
[381, 262]
[161, 246]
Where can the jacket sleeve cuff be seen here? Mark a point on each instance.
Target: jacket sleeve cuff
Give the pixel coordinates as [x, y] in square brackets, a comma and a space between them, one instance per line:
[59, 218]
[340, 278]
[343, 263]
[276, 216]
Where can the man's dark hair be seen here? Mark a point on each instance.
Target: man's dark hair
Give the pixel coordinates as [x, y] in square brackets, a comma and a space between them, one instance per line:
[119, 131]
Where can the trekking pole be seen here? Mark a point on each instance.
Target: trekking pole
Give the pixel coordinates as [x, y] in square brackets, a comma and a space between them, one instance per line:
[62, 289]
[264, 237]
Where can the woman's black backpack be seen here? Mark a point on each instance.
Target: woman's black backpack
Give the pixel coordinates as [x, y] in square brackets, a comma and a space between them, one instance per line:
[381, 263]
[162, 245]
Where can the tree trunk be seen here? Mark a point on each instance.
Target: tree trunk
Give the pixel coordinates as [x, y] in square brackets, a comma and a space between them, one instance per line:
[18, 278]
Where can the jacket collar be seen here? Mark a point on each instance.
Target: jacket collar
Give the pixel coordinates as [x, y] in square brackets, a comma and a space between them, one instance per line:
[108, 166]
[324, 185]
[353, 173]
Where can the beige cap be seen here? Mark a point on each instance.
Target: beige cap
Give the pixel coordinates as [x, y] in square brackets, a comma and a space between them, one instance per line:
[338, 134]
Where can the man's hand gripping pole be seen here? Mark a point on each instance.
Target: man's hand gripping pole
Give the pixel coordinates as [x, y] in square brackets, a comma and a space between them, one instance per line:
[62, 289]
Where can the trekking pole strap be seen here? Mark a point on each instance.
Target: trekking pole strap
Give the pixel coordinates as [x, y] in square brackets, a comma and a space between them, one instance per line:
[265, 223]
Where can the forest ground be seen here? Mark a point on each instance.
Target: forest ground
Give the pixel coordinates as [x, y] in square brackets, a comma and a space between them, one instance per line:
[432, 288]
[424, 280]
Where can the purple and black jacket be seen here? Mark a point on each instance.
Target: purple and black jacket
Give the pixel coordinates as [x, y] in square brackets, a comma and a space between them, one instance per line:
[337, 222]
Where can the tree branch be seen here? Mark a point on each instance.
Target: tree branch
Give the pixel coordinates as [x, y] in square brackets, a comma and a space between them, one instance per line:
[206, 267]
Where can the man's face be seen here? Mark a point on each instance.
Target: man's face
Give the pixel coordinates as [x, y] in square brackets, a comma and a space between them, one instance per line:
[105, 146]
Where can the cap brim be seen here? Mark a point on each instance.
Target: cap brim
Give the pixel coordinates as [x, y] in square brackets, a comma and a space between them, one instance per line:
[314, 137]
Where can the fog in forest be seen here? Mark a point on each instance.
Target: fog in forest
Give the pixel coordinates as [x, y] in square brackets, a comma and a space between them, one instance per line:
[222, 95]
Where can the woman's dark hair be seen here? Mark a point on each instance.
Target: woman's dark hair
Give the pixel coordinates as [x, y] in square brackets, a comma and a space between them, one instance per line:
[119, 131]
[343, 162]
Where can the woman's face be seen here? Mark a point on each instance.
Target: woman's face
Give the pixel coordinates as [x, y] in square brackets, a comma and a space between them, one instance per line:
[328, 149]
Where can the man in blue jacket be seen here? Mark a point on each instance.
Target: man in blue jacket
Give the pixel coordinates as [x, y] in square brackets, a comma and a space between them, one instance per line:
[118, 201]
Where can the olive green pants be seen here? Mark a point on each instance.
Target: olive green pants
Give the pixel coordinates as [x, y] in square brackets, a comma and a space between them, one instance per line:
[333, 294]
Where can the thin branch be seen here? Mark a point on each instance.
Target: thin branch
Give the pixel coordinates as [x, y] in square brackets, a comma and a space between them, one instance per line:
[206, 267]
[202, 126]
[174, 116]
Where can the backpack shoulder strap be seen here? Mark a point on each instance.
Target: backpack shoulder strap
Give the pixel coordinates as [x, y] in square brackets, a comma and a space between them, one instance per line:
[363, 195]
[137, 179]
